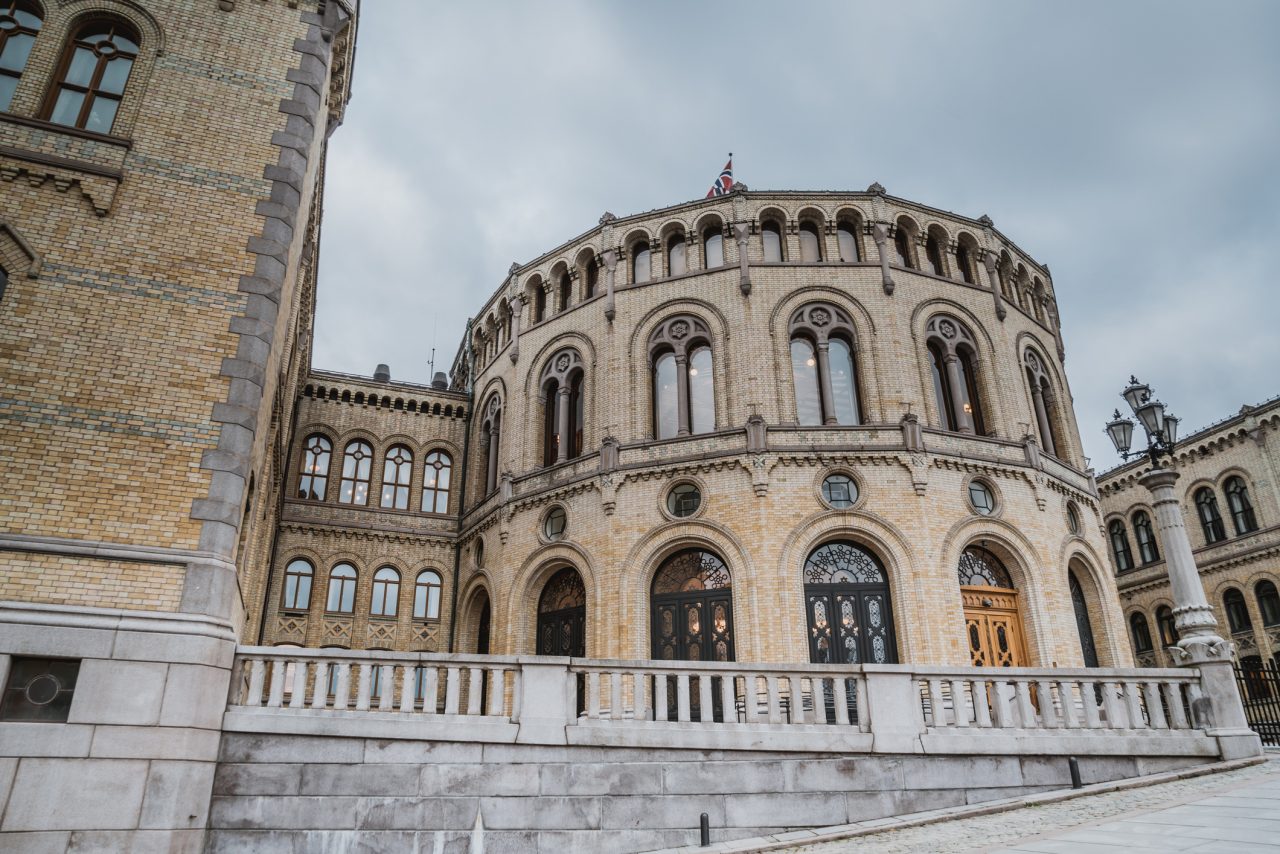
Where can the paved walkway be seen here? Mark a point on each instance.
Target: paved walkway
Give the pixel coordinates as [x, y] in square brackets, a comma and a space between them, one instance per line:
[1235, 812]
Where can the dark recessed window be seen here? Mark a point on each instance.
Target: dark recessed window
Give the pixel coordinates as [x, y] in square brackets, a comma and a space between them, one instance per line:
[684, 500]
[839, 490]
[39, 689]
[553, 526]
[982, 498]
[1073, 519]
[19, 24]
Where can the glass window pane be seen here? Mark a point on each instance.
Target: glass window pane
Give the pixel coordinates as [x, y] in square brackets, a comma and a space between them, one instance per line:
[640, 265]
[80, 69]
[665, 400]
[16, 50]
[433, 601]
[772, 240]
[677, 259]
[102, 114]
[848, 245]
[7, 86]
[67, 108]
[804, 373]
[702, 403]
[809, 250]
[115, 75]
[843, 383]
[26, 19]
[714, 250]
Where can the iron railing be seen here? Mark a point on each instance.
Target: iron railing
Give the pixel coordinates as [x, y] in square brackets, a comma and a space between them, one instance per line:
[1260, 692]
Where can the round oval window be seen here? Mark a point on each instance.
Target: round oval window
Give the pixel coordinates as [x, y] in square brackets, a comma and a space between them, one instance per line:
[982, 498]
[553, 526]
[1073, 519]
[684, 500]
[840, 491]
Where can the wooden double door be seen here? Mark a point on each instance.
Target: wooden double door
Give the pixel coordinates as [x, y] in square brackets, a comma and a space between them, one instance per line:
[993, 626]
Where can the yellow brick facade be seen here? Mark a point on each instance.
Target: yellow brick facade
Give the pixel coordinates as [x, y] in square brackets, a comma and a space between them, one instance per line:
[61, 580]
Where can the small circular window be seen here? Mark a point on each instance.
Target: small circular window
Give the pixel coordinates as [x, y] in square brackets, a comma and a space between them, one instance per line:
[1073, 518]
[479, 552]
[982, 498]
[840, 491]
[683, 500]
[554, 524]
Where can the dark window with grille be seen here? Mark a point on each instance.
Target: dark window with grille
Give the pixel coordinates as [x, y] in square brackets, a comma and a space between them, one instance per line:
[1120, 545]
[1146, 538]
[1237, 612]
[39, 689]
[1165, 623]
[1268, 603]
[1140, 632]
[1242, 515]
[1210, 518]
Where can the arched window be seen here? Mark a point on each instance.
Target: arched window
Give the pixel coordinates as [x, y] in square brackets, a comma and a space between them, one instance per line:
[562, 615]
[19, 24]
[92, 75]
[491, 434]
[712, 247]
[965, 257]
[342, 589]
[1210, 518]
[565, 291]
[562, 407]
[847, 240]
[849, 611]
[593, 277]
[683, 378]
[1166, 626]
[435, 482]
[1042, 401]
[4, 274]
[1120, 545]
[296, 595]
[357, 461]
[1140, 633]
[426, 595]
[386, 593]
[640, 266]
[953, 364]
[397, 469]
[1237, 612]
[539, 303]
[692, 608]
[902, 247]
[677, 255]
[933, 251]
[810, 242]
[1146, 537]
[1084, 627]
[1242, 515]
[823, 367]
[1268, 602]
[314, 478]
[771, 240]
[980, 568]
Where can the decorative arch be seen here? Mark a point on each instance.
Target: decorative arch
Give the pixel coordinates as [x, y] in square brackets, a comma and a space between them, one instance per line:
[936, 243]
[967, 254]
[530, 579]
[682, 369]
[561, 388]
[1092, 610]
[952, 356]
[850, 225]
[984, 347]
[477, 594]
[824, 365]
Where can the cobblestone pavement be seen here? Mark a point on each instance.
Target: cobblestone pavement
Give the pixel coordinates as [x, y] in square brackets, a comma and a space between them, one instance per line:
[1235, 811]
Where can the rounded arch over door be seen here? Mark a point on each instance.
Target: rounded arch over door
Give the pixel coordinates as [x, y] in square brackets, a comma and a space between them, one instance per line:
[691, 605]
[993, 622]
[562, 615]
[849, 613]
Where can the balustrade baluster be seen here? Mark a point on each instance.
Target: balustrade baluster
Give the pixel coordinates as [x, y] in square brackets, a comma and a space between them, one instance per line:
[1002, 695]
[298, 696]
[1155, 708]
[981, 702]
[408, 680]
[364, 687]
[959, 707]
[660, 697]
[774, 699]
[796, 685]
[639, 711]
[431, 690]
[682, 697]
[728, 697]
[593, 695]
[1173, 699]
[497, 692]
[1133, 705]
[840, 697]
[1112, 706]
[706, 711]
[937, 705]
[1026, 711]
[387, 688]
[257, 674]
[1089, 692]
[276, 695]
[861, 706]
[320, 688]
[615, 695]
[475, 690]
[342, 692]
[751, 697]
[1048, 709]
[452, 692]
[1070, 719]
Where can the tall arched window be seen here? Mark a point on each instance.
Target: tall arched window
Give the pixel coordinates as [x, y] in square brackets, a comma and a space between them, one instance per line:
[712, 247]
[1148, 552]
[823, 366]
[491, 434]
[19, 24]
[683, 378]
[640, 262]
[966, 255]
[1042, 401]
[562, 407]
[435, 482]
[296, 595]
[849, 610]
[1210, 518]
[539, 303]
[357, 462]
[565, 289]
[933, 251]
[1120, 545]
[810, 242]
[677, 255]
[1242, 515]
[593, 277]
[92, 75]
[953, 363]
[771, 240]
[1140, 633]
[342, 589]
[314, 477]
[386, 593]
[847, 240]
[562, 615]
[1084, 626]
[902, 247]
[1237, 612]
[426, 595]
[1268, 602]
[692, 608]
[397, 470]
[1166, 625]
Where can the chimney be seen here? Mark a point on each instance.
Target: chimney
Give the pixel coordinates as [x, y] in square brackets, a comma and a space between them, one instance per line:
[440, 380]
[382, 374]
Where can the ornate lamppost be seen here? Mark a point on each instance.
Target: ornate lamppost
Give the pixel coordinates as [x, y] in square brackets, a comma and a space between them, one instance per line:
[1199, 643]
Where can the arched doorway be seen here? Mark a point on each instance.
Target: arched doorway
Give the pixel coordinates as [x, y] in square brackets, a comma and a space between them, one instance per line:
[562, 615]
[482, 624]
[991, 616]
[1088, 649]
[692, 608]
[847, 602]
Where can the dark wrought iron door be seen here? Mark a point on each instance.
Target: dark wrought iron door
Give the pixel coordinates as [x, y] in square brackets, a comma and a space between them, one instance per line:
[850, 624]
[693, 626]
[563, 632]
[1087, 647]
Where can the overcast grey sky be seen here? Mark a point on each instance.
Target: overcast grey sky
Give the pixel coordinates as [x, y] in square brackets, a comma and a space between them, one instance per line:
[1134, 147]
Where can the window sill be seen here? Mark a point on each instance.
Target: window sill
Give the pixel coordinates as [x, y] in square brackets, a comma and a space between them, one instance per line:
[93, 162]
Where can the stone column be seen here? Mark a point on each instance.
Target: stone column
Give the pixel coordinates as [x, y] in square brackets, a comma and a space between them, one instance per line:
[682, 394]
[880, 232]
[1042, 418]
[517, 307]
[562, 423]
[959, 394]
[610, 258]
[824, 380]
[993, 276]
[742, 233]
[491, 477]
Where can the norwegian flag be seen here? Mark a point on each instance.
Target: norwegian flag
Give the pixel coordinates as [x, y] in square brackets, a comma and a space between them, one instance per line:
[724, 183]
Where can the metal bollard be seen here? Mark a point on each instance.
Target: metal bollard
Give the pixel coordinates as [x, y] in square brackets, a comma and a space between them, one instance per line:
[1074, 765]
[704, 824]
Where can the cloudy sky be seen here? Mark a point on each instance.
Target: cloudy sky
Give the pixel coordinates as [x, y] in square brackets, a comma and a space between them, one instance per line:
[1133, 147]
